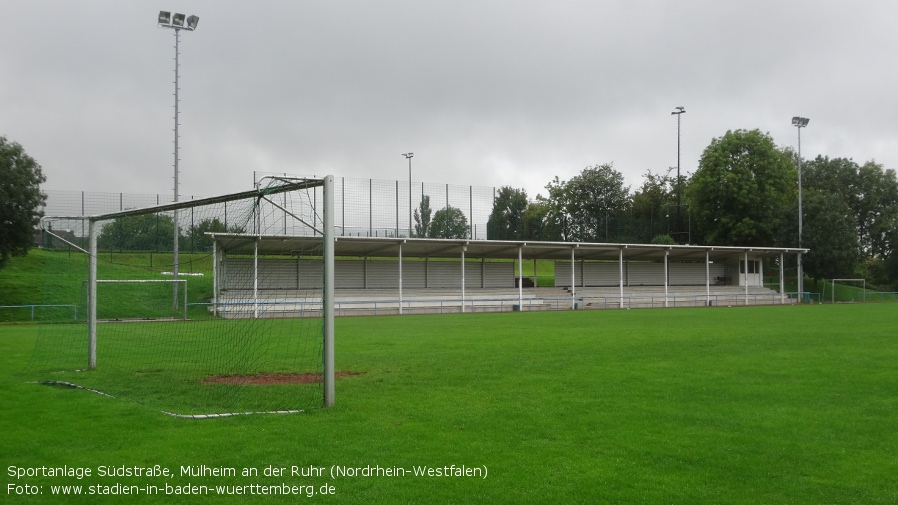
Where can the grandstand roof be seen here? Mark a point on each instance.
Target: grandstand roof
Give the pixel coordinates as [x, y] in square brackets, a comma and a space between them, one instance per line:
[499, 249]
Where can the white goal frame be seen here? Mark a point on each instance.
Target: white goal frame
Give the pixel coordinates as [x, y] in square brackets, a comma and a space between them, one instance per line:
[863, 285]
[327, 182]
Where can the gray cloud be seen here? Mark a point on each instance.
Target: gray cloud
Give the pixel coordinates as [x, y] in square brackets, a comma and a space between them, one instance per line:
[485, 93]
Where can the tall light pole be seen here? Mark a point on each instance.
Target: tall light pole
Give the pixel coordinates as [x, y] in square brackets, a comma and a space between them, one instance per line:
[177, 22]
[678, 112]
[800, 122]
[409, 156]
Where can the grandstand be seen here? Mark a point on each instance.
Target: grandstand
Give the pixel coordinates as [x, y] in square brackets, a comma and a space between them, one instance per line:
[377, 276]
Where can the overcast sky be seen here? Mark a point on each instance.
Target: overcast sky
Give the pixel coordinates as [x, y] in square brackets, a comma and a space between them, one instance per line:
[488, 93]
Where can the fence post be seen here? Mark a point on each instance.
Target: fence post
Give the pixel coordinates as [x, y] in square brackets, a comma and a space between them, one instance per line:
[471, 211]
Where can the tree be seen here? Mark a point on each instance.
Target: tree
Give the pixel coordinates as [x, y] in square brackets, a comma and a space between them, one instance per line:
[20, 200]
[583, 207]
[741, 190]
[830, 234]
[891, 268]
[654, 204]
[448, 223]
[147, 232]
[870, 191]
[506, 221]
[422, 217]
[657, 192]
[197, 239]
[537, 222]
[663, 240]
[878, 209]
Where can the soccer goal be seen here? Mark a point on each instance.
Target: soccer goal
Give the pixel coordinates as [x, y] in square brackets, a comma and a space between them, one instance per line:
[850, 295]
[193, 338]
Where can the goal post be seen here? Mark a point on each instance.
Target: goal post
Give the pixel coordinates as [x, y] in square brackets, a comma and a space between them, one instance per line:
[328, 375]
[863, 283]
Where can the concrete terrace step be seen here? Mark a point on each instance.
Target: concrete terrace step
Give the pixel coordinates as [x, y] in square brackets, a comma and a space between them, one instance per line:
[306, 303]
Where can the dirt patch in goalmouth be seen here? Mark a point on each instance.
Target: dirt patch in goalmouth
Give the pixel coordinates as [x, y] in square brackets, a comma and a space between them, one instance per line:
[265, 379]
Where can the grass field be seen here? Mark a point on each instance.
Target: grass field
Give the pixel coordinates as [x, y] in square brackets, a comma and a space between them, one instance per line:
[742, 405]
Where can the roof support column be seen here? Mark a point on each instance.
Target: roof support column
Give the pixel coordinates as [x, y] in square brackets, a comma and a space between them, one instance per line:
[621, 264]
[745, 278]
[573, 282]
[666, 276]
[800, 280]
[708, 278]
[463, 248]
[521, 277]
[400, 278]
[761, 270]
[782, 284]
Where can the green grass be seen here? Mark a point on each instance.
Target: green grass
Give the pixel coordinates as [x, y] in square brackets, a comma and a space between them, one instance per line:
[165, 364]
[744, 405]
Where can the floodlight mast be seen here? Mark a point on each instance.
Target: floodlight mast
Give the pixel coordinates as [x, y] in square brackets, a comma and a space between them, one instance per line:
[177, 23]
[800, 122]
[678, 112]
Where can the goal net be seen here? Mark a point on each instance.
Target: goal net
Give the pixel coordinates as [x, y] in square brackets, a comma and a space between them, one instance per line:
[179, 330]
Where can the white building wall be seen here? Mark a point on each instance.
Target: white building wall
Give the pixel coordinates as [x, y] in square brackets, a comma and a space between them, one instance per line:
[294, 273]
[636, 273]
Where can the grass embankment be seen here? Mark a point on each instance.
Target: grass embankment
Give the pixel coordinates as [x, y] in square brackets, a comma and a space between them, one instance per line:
[45, 277]
[726, 406]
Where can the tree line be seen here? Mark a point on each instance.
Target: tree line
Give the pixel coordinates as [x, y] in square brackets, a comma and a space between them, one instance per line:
[154, 232]
[744, 192]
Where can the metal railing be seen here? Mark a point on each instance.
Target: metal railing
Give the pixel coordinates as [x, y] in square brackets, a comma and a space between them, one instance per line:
[311, 308]
[34, 307]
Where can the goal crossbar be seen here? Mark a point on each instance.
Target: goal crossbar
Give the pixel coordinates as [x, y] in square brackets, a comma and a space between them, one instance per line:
[186, 204]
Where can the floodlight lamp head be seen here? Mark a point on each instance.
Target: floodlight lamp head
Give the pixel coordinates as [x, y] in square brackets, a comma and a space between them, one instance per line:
[178, 20]
[164, 18]
[408, 155]
[800, 121]
[192, 21]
